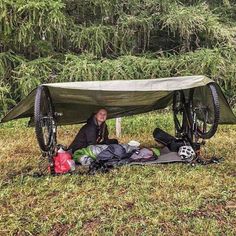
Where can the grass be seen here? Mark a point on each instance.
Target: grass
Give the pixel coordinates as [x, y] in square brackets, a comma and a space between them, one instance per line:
[153, 200]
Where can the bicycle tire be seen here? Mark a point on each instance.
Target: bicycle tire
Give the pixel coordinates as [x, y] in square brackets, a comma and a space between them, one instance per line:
[216, 112]
[178, 107]
[43, 100]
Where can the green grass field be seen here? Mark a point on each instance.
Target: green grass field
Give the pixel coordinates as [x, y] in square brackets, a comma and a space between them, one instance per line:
[172, 199]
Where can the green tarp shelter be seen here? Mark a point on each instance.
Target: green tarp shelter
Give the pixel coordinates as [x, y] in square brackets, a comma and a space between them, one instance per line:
[77, 100]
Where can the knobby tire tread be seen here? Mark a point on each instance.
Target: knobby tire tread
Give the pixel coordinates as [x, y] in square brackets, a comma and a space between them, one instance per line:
[37, 117]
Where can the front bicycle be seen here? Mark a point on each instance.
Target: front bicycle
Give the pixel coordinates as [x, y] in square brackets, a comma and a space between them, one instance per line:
[45, 124]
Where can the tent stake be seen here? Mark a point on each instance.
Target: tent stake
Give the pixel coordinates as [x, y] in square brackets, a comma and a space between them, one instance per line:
[118, 127]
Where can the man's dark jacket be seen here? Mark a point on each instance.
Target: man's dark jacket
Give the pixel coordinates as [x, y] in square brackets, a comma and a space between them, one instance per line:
[90, 134]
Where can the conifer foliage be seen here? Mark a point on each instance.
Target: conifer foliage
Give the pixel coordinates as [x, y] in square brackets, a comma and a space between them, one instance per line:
[77, 40]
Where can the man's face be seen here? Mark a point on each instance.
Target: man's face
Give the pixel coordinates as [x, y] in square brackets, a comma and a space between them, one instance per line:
[101, 116]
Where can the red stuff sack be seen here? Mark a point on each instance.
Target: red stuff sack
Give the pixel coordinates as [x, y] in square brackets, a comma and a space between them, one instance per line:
[63, 162]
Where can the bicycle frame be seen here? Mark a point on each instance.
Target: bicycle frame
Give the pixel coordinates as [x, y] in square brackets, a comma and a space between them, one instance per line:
[189, 132]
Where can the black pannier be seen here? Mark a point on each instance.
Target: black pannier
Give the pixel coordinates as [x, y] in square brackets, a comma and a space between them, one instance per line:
[168, 140]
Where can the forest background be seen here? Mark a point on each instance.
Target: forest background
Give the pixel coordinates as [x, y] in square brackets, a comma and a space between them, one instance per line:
[76, 40]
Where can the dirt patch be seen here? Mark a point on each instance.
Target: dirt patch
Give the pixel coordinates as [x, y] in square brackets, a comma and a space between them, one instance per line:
[10, 176]
[91, 225]
[231, 205]
[59, 229]
[167, 227]
[21, 233]
[232, 173]
[128, 205]
[218, 212]
[53, 193]
[24, 170]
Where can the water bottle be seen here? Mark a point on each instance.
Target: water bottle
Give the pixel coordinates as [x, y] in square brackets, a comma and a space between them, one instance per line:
[71, 164]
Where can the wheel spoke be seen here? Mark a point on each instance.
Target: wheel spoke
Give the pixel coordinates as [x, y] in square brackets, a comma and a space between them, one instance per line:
[44, 119]
[179, 111]
[204, 105]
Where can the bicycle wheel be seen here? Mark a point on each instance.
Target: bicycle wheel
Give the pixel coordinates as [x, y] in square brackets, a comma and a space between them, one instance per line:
[179, 111]
[44, 119]
[204, 114]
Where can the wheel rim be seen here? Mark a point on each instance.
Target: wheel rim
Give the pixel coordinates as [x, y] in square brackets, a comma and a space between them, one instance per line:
[178, 111]
[204, 111]
[44, 120]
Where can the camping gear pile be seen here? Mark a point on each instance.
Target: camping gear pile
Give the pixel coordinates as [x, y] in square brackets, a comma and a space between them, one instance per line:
[104, 157]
